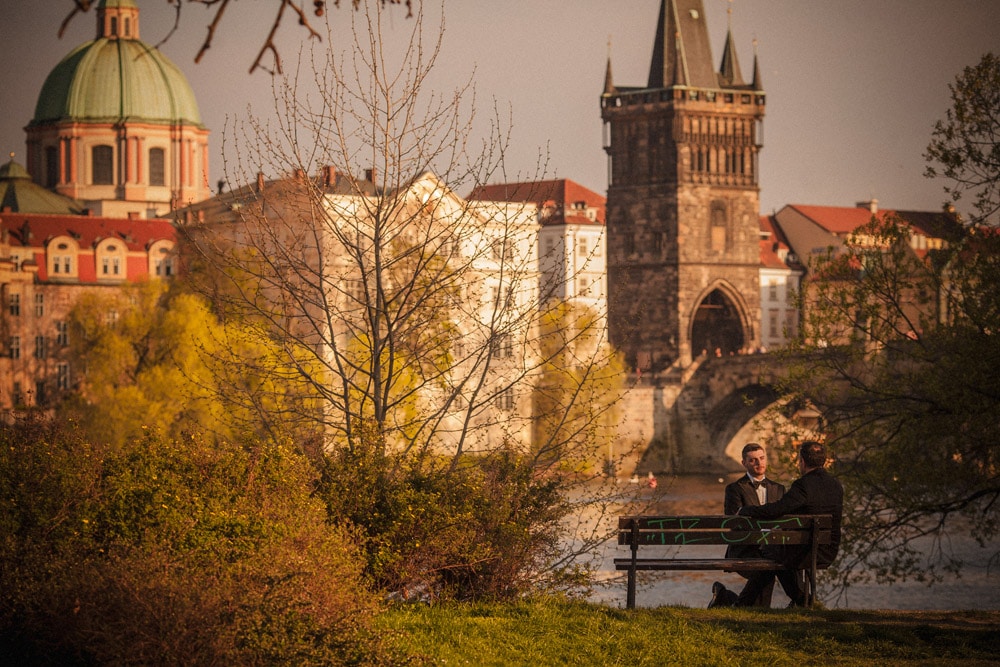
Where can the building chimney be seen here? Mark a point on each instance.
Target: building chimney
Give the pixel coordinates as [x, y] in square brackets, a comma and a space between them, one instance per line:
[371, 175]
[871, 205]
[260, 181]
[329, 176]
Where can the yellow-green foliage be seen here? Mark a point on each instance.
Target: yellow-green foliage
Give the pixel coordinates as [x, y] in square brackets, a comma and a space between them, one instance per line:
[159, 359]
[163, 551]
[575, 398]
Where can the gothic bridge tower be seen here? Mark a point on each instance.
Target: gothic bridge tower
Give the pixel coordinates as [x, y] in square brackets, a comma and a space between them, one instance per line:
[683, 205]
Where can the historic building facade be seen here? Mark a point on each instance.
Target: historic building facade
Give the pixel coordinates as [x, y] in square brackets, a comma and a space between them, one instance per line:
[49, 257]
[117, 126]
[683, 205]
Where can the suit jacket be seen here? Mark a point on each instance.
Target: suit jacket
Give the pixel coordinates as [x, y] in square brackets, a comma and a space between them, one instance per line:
[816, 492]
[739, 494]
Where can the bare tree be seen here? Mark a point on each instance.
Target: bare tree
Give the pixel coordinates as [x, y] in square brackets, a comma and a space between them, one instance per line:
[404, 308]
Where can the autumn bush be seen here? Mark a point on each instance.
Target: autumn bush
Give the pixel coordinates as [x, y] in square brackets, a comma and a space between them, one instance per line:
[483, 527]
[172, 552]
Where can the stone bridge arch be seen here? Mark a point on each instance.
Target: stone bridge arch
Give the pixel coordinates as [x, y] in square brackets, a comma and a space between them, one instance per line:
[718, 401]
[696, 419]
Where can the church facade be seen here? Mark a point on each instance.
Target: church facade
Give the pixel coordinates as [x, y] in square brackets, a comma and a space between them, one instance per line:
[117, 126]
[683, 200]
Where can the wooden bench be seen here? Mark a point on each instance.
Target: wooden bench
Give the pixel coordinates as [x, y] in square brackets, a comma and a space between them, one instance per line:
[679, 531]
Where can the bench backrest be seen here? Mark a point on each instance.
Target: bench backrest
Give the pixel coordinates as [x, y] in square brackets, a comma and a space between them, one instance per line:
[722, 529]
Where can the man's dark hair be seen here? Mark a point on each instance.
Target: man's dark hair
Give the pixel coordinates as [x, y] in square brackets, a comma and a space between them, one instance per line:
[750, 447]
[813, 454]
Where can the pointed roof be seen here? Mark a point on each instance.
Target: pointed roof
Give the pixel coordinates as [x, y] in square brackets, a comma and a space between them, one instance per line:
[609, 86]
[682, 53]
[758, 83]
[729, 70]
[19, 194]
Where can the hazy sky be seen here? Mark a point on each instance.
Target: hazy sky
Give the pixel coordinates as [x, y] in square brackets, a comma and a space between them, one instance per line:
[853, 86]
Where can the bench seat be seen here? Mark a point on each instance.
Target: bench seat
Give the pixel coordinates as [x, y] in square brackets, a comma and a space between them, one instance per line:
[683, 531]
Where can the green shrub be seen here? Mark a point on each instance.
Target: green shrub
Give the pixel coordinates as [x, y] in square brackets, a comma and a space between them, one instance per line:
[165, 552]
[484, 527]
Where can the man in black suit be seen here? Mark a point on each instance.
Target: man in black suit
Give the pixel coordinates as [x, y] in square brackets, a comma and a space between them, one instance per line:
[815, 492]
[752, 489]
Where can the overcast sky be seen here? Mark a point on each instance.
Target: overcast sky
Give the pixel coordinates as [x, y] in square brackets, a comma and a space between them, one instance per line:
[853, 86]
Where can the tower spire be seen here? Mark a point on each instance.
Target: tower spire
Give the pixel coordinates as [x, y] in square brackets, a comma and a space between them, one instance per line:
[758, 83]
[681, 48]
[609, 86]
[729, 70]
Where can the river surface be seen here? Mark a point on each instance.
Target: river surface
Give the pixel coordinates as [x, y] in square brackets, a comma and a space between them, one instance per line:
[977, 588]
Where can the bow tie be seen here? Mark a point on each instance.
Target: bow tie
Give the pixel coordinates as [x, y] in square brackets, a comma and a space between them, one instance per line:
[756, 484]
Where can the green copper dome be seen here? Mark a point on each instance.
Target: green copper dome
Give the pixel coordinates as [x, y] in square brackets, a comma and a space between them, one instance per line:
[116, 79]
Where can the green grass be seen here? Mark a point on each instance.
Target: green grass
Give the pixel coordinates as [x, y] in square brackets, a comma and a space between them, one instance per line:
[565, 633]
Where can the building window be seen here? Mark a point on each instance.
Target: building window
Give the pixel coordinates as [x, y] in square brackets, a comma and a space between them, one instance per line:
[164, 266]
[791, 319]
[111, 318]
[62, 377]
[103, 164]
[111, 266]
[505, 399]
[581, 247]
[40, 351]
[772, 324]
[51, 166]
[503, 347]
[40, 392]
[15, 347]
[772, 290]
[39, 305]
[583, 286]
[156, 163]
[18, 396]
[62, 334]
[14, 304]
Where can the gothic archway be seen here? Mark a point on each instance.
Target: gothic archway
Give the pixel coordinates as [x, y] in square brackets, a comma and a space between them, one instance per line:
[717, 327]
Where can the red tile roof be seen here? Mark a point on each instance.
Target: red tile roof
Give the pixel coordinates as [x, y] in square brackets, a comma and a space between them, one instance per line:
[770, 244]
[136, 235]
[555, 193]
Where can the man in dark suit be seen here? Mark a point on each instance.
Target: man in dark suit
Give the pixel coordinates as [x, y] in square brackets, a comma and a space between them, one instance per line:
[752, 489]
[815, 492]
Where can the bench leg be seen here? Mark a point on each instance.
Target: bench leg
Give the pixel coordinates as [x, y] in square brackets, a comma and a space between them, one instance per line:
[630, 594]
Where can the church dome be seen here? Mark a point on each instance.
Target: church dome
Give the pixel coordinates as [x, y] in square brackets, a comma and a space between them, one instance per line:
[117, 77]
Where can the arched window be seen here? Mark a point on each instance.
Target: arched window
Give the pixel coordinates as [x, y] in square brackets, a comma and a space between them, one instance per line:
[114, 26]
[111, 256]
[128, 28]
[62, 258]
[156, 162]
[103, 165]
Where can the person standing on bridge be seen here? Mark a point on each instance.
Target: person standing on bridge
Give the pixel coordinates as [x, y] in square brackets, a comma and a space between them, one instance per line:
[752, 489]
[815, 492]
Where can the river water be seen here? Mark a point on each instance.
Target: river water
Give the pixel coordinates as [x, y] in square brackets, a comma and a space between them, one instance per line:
[977, 588]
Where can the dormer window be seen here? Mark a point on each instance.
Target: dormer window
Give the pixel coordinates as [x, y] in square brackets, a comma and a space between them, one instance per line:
[110, 258]
[62, 253]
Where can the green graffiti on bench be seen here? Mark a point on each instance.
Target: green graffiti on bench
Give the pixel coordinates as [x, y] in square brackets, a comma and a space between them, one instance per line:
[729, 526]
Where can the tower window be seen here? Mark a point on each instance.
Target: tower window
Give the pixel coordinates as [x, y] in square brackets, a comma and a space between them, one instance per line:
[103, 165]
[51, 166]
[156, 170]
